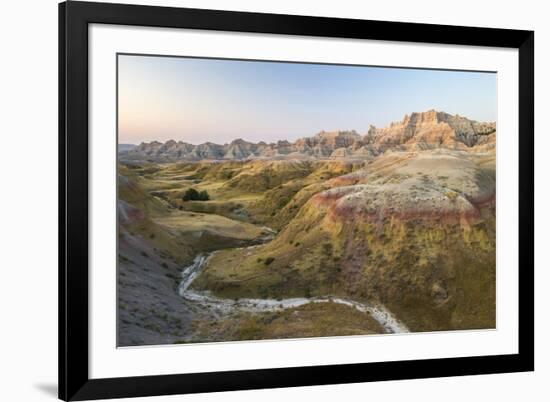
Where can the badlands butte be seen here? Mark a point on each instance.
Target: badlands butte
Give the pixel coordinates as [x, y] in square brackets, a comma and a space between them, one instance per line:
[336, 234]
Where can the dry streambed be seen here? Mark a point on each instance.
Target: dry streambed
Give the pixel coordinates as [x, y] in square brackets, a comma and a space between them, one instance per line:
[378, 312]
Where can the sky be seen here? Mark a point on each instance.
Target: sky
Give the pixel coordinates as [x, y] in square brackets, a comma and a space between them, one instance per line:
[200, 100]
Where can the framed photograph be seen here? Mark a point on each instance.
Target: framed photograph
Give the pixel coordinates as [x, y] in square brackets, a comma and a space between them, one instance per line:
[257, 200]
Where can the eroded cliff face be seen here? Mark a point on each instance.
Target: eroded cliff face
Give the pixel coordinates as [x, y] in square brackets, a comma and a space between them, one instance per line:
[430, 130]
[427, 130]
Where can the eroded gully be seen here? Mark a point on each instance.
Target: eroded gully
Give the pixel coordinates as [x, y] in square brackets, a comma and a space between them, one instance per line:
[377, 311]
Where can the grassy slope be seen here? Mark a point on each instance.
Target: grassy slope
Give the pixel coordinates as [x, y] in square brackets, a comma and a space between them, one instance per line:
[432, 275]
[184, 221]
[281, 203]
[151, 189]
[311, 320]
[155, 241]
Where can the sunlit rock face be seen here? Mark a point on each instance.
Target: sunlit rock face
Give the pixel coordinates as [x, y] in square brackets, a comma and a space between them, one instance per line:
[427, 130]
[432, 129]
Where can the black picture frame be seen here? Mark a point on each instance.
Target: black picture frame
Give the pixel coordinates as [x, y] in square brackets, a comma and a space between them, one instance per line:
[74, 18]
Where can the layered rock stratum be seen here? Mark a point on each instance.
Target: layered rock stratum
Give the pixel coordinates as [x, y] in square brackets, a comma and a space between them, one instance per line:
[426, 130]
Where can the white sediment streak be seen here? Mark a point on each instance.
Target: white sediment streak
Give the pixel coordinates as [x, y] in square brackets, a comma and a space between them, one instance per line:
[377, 311]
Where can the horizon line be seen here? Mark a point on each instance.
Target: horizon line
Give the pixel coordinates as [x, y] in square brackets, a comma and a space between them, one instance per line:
[306, 136]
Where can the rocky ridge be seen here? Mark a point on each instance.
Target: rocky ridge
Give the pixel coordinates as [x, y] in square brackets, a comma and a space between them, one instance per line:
[426, 130]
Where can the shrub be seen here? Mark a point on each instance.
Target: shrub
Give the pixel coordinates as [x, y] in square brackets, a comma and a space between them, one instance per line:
[193, 195]
[269, 260]
[203, 196]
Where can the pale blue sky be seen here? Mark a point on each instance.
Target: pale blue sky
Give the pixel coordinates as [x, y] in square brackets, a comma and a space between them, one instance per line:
[199, 100]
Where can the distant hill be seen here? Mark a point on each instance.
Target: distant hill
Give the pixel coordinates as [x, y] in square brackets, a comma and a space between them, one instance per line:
[125, 147]
[426, 130]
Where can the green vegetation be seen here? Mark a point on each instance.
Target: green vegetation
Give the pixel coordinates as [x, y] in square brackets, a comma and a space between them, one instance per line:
[194, 195]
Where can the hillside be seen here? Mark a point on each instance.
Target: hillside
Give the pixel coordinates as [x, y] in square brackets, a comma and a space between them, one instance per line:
[414, 231]
[154, 241]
